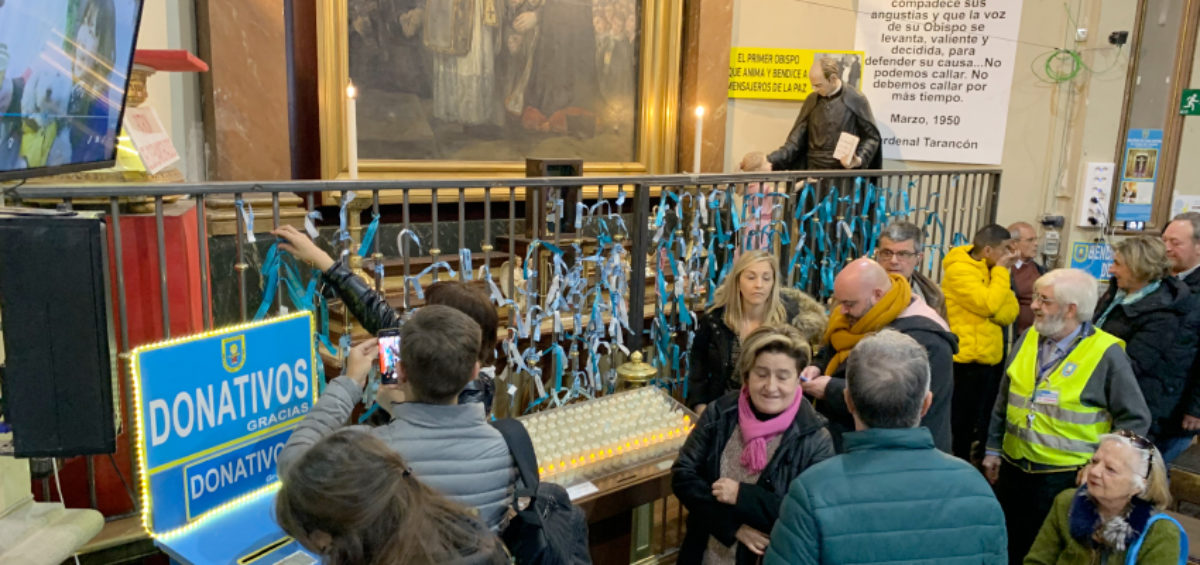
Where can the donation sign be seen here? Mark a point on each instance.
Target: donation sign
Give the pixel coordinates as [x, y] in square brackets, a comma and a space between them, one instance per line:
[1095, 258]
[782, 74]
[940, 74]
[214, 411]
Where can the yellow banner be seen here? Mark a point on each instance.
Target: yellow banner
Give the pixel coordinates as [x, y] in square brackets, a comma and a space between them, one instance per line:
[782, 74]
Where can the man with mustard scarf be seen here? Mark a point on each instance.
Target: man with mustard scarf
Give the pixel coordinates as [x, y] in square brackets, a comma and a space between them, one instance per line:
[868, 300]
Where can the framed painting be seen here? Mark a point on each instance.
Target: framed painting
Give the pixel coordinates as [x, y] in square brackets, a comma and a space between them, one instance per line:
[471, 88]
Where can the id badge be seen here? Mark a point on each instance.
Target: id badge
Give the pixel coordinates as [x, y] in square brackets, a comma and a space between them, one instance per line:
[1046, 396]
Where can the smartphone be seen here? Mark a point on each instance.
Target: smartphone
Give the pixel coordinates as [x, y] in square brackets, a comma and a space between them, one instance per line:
[389, 355]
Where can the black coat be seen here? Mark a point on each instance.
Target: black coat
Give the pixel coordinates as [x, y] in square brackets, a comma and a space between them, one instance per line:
[939, 344]
[372, 310]
[1192, 392]
[715, 346]
[698, 466]
[1160, 339]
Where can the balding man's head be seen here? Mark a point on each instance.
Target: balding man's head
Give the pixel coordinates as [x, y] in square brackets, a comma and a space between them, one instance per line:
[825, 76]
[1025, 238]
[859, 285]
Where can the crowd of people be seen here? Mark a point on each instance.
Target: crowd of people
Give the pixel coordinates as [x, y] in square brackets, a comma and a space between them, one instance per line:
[1004, 415]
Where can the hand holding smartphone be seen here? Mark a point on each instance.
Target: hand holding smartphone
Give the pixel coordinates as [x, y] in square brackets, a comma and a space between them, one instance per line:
[389, 355]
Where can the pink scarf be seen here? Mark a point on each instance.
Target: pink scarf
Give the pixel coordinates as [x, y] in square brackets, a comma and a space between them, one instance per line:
[756, 433]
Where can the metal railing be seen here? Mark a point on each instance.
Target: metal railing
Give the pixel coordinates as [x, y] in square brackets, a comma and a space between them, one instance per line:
[589, 290]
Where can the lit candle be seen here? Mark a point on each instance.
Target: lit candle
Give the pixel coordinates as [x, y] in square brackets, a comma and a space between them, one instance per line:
[352, 129]
[699, 138]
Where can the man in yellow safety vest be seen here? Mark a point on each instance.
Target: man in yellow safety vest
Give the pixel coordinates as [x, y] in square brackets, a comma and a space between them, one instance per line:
[1067, 383]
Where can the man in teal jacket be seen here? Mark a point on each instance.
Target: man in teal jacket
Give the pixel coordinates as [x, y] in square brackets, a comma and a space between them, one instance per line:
[892, 497]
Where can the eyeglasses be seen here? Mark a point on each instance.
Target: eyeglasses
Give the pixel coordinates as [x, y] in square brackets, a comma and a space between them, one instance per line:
[1039, 298]
[1140, 443]
[886, 254]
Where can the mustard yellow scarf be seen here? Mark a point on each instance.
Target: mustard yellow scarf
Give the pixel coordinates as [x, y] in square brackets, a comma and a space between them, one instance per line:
[843, 336]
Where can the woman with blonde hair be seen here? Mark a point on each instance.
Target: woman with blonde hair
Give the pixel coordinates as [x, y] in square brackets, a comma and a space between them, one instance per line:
[1154, 313]
[1116, 516]
[750, 297]
[747, 447]
[354, 501]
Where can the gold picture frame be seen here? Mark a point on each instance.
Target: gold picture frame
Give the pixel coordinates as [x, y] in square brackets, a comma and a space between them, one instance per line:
[656, 121]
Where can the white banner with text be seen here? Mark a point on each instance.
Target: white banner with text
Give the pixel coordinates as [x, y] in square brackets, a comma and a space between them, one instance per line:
[938, 74]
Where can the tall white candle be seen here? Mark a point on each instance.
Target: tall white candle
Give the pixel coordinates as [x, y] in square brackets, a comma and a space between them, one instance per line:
[352, 129]
[699, 139]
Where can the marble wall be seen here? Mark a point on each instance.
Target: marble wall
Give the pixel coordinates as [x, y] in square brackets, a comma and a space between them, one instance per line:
[707, 33]
[245, 106]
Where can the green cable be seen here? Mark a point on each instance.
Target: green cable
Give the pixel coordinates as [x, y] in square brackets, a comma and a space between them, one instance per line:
[1072, 59]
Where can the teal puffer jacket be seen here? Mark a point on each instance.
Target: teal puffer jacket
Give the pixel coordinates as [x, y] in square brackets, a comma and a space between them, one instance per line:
[891, 498]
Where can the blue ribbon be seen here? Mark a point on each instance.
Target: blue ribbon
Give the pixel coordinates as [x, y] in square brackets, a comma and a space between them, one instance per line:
[369, 237]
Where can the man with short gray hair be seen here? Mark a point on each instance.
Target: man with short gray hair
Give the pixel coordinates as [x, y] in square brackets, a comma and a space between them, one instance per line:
[1067, 383]
[1182, 239]
[1024, 271]
[925, 505]
[900, 250]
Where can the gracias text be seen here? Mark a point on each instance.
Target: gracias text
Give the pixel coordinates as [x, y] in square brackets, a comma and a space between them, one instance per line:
[239, 398]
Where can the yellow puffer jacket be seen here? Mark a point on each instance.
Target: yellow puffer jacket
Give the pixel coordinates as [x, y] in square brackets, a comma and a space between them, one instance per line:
[979, 301]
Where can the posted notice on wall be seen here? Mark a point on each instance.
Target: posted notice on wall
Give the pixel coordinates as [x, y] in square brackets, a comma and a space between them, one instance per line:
[782, 74]
[1139, 173]
[939, 75]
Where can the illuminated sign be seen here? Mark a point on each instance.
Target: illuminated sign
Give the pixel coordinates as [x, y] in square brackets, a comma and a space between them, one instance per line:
[214, 411]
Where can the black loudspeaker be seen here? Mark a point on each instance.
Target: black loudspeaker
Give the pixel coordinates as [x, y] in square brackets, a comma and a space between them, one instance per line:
[537, 209]
[60, 372]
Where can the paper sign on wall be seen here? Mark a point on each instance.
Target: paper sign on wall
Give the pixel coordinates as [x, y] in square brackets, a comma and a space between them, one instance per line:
[939, 76]
[1139, 173]
[782, 74]
[150, 139]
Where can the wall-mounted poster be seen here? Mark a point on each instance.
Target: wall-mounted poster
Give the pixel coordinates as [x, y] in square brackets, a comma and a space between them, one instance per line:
[1139, 171]
[782, 74]
[477, 86]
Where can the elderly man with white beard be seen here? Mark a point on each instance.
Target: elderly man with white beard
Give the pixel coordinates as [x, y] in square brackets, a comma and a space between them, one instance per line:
[1067, 383]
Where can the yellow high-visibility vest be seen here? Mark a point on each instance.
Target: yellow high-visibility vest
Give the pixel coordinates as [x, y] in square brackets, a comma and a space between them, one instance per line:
[1051, 425]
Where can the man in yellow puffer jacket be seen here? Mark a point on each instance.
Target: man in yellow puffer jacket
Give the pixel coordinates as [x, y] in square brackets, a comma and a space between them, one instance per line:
[979, 302]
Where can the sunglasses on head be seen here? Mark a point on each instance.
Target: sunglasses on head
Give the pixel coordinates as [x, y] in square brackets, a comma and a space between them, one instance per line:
[1140, 443]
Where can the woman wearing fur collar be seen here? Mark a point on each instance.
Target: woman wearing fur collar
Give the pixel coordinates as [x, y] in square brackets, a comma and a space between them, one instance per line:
[1112, 512]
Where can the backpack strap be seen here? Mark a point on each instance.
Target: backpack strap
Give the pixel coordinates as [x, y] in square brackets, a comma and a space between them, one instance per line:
[1131, 556]
[521, 448]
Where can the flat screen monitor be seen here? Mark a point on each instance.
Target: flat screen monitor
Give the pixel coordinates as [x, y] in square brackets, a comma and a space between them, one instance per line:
[64, 71]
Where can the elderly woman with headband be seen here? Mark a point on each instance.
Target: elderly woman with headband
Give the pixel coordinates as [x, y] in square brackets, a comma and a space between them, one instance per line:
[1116, 516]
[737, 464]
[750, 297]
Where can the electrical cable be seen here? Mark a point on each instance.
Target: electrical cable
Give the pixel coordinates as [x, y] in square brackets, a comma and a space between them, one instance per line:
[58, 485]
[128, 490]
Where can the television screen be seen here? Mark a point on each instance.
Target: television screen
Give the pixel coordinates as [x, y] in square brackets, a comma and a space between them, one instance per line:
[64, 68]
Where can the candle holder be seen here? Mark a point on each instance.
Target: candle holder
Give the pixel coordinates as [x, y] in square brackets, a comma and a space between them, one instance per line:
[608, 435]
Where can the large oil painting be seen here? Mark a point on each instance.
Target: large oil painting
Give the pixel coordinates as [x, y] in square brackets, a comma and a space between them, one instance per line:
[495, 80]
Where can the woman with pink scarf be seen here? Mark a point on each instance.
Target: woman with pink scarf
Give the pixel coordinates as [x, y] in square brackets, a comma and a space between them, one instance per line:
[735, 468]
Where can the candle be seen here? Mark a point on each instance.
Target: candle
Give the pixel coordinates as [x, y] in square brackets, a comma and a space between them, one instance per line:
[352, 129]
[699, 138]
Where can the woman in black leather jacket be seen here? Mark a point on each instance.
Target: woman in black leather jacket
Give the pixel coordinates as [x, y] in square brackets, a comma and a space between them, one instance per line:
[748, 298]
[371, 309]
[735, 468]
